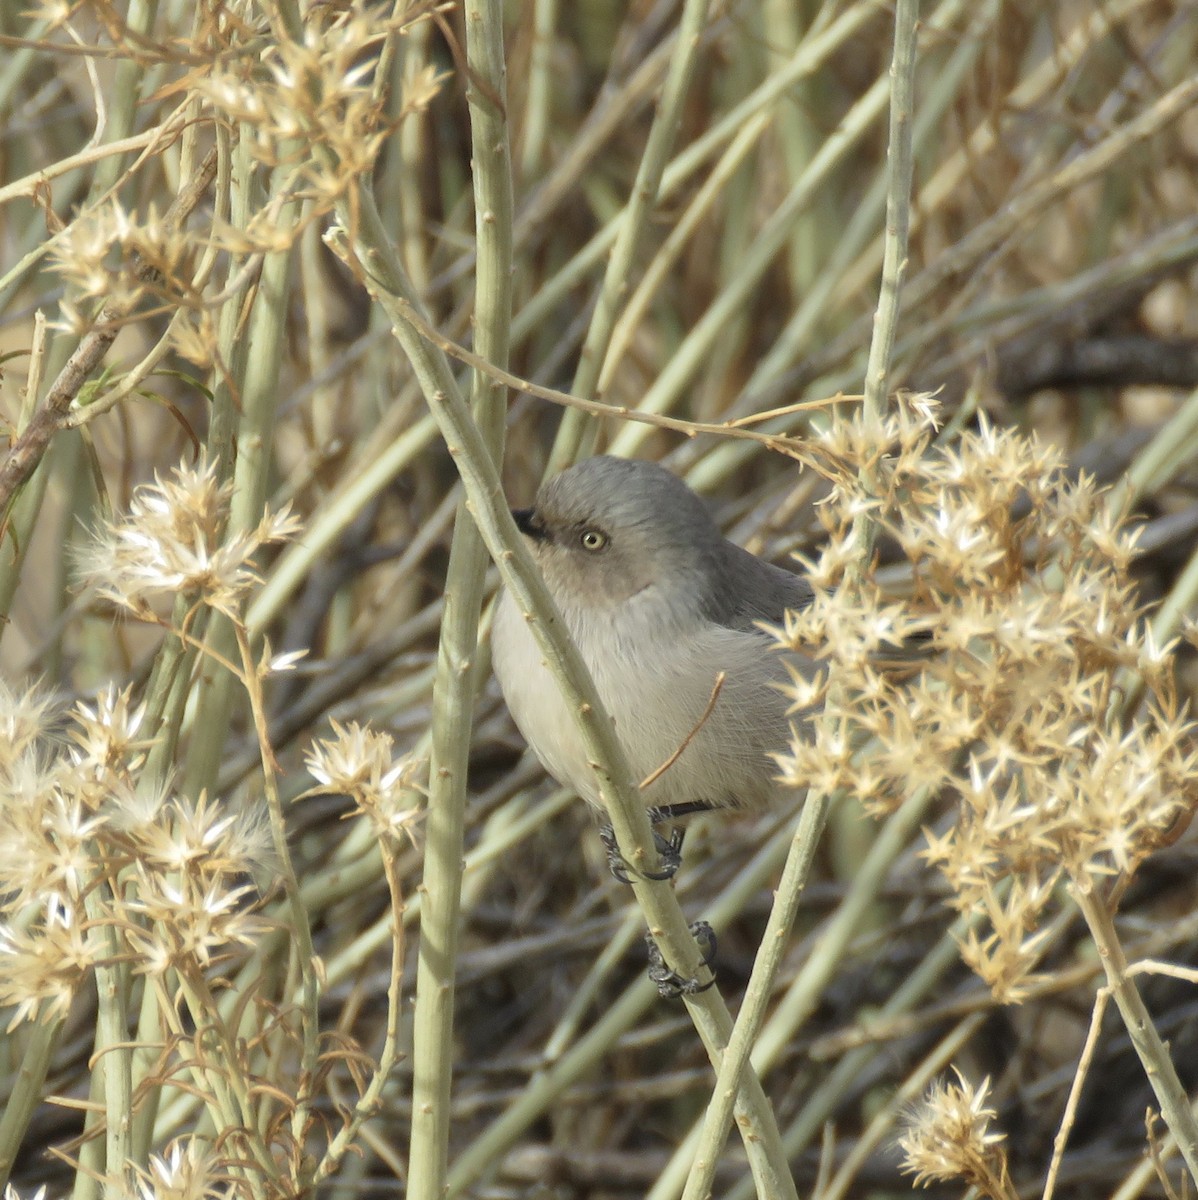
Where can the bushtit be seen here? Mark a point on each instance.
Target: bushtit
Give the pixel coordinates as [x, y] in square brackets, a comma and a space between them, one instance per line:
[660, 605]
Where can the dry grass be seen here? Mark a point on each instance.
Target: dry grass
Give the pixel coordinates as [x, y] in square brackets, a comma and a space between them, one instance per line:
[233, 538]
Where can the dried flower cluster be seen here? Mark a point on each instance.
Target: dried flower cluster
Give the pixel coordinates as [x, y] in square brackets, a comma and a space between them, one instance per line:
[173, 541]
[361, 763]
[97, 867]
[111, 257]
[113, 884]
[948, 1137]
[187, 1172]
[306, 104]
[317, 90]
[1044, 705]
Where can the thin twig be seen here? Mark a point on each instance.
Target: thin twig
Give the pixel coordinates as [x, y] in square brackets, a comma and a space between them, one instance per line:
[654, 776]
[1075, 1090]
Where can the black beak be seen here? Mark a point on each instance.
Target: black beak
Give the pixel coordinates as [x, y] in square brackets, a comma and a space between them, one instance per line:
[526, 522]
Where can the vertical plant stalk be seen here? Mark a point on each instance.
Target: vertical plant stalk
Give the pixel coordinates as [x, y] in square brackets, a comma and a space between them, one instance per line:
[898, 207]
[456, 683]
[539, 102]
[167, 690]
[1158, 1066]
[26, 1093]
[251, 475]
[573, 437]
[816, 807]
[113, 1055]
[829, 951]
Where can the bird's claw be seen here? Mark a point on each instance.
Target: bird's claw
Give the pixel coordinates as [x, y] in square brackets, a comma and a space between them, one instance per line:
[669, 850]
[670, 984]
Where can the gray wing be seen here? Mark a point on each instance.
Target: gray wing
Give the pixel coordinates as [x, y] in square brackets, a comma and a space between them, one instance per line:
[750, 590]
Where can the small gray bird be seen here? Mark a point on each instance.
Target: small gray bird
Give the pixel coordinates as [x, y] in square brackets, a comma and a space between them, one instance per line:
[659, 603]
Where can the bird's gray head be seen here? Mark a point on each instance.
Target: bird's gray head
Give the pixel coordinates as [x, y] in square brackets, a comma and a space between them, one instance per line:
[609, 529]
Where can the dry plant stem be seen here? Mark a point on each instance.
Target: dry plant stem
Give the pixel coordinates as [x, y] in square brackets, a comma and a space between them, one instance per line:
[123, 94]
[672, 382]
[993, 321]
[747, 884]
[338, 512]
[301, 930]
[370, 1101]
[611, 114]
[1142, 1176]
[228, 1092]
[619, 412]
[593, 1048]
[166, 691]
[995, 236]
[714, 1131]
[629, 819]
[572, 440]
[90, 1170]
[943, 92]
[1171, 448]
[150, 140]
[145, 1058]
[1156, 1153]
[26, 452]
[456, 684]
[815, 810]
[409, 155]
[132, 380]
[944, 956]
[535, 1099]
[713, 189]
[1047, 77]
[1027, 205]
[1177, 605]
[1075, 1092]
[231, 202]
[898, 205]
[1158, 1066]
[540, 88]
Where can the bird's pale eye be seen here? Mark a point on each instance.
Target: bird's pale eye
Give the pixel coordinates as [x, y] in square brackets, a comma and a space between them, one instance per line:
[592, 539]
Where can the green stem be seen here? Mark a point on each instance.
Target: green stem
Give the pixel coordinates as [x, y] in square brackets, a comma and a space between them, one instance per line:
[573, 439]
[1153, 1054]
[26, 1092]
[456, 683]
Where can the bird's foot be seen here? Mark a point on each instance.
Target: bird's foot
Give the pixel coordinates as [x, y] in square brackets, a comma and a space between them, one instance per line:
[669, 983]
[669, 849]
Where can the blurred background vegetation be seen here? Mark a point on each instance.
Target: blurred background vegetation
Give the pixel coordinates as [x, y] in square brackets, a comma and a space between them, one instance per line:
[166, 189]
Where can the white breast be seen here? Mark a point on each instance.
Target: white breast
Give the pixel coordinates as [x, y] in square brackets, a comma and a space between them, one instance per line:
[656, 684]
